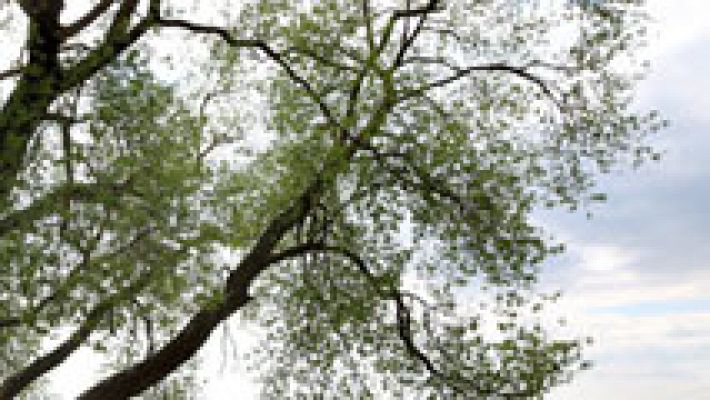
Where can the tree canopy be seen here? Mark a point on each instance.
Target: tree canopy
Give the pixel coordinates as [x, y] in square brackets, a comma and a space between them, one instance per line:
[340, 172]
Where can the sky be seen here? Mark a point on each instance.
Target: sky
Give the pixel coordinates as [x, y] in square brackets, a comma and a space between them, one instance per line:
[636, 277]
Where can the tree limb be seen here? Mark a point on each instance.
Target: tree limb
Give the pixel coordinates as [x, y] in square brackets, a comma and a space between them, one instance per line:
[430, 7]
[10, 322]
[392, 293]
[25, 6]
[122, 20]
[260, 45]
[13, 385]
[403, 313]
[26, 106]
[409, 40]
[87, 19]
[139, 377]
[223, 33]
[521, 72]
[117, 39]
[10, 73]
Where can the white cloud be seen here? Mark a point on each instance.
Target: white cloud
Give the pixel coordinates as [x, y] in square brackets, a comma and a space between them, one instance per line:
[649, 357]
[605, 257]
[678, 22]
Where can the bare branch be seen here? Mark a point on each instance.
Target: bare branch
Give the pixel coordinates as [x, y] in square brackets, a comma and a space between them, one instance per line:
[10, 322]
[431, 7]
[64, 119]
[521, 72]
[265, 48]
[115, 43]
[10, 73]
[409, 40]
[371, 61]
[368, 24]
[405, 28]
[224, 34]
[204, 152]
[325, 110]
[375, 51]
[154, 9]
[371, 58]
[431, 60]
[87, 19]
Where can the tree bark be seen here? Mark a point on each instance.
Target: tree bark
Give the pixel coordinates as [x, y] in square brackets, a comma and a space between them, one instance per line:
[15, 384]
[37, 88]
[43, 79]
[142, 376]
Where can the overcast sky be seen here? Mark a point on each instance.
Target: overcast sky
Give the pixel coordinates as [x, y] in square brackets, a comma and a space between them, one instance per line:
[636, 276]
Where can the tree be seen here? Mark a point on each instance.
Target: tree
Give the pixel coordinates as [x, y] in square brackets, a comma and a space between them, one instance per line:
[402, 142]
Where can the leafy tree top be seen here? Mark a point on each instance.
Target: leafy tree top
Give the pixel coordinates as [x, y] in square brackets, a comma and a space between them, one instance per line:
[402, 147]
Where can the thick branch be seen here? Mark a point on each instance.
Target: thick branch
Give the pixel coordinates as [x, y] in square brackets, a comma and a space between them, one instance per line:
[26, 7]
[117, 39]
[35, 90]
[136, 379]
[122, 20]
[36, 9]
[13, 385]
[43, 80]
[154, 368]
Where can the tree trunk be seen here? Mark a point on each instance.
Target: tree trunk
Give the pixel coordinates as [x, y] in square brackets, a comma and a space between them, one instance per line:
[37, 88]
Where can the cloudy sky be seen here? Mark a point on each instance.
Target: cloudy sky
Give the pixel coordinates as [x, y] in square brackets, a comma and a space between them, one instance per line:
[636, 277]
